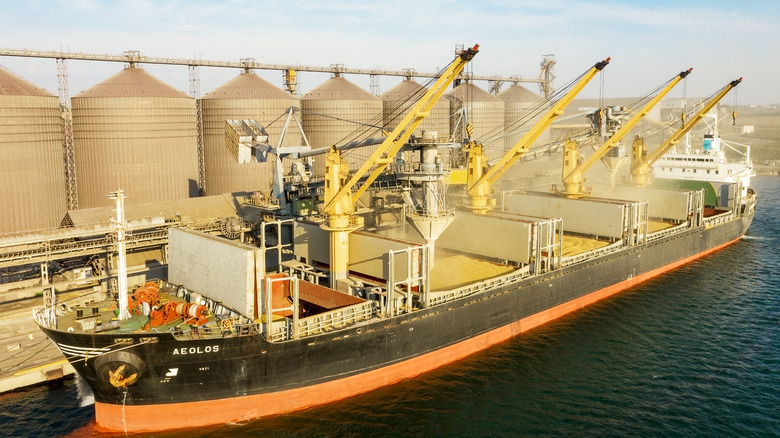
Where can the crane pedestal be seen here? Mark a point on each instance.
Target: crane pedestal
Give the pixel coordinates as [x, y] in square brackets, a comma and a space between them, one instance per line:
[339, 227]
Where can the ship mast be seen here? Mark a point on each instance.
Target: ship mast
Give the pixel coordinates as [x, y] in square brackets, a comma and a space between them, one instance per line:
[121, 259]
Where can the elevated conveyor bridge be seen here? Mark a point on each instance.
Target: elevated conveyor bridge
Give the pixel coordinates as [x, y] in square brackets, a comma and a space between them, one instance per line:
[42, 247]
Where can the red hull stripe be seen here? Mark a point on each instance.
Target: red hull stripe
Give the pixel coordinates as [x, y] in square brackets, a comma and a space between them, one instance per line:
[149, 418]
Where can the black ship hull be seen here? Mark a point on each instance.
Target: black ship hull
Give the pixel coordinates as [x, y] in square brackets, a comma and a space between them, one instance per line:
[190, 383]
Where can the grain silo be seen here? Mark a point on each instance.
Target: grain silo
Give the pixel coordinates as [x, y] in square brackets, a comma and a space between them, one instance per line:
[397, 101]
[134, 132]
[520, 112]
[484, 111]
[32, 170]
[338, 112]
[247, 96]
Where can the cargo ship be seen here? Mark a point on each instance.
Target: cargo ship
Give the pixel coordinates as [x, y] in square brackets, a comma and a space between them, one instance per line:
[328, 306]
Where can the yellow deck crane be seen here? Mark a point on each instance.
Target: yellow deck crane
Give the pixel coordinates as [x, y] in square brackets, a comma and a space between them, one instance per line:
[574, 167]
[339, 205]
[480, 177]
[641, 163]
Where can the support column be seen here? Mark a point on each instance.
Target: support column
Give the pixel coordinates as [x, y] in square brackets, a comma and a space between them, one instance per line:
[44, 273]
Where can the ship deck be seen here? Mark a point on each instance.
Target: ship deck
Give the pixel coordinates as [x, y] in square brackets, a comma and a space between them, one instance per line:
[102, 317]
[454, 270]
[451, 270]
[654, 225]
[576, 244]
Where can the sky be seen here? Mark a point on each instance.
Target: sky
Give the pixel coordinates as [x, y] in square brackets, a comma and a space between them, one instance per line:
[649, 41]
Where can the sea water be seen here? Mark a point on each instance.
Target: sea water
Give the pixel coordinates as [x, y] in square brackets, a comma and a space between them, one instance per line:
[694, 352]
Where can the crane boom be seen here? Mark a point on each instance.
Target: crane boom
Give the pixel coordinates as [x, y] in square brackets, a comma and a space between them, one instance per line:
[339, 198]
[384, 153]
[573, 171]
[640, 167]
[480, 178]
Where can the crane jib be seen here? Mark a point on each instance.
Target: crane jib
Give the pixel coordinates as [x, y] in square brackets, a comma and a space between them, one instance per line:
[469, 53]
[601, 64]
[382, 155]
[677, 136]
[478, 177]
[576, 172]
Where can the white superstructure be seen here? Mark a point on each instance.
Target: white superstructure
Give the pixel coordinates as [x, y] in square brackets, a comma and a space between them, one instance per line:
[708, 163]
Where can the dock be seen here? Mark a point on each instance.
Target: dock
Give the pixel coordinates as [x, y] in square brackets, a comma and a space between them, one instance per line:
[27, 356]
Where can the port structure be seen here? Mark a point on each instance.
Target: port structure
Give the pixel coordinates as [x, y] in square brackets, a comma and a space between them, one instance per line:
[480, 176]
[340, 200]
[69, 155]
[574, 166]
[289, 71]
[641, 162]
[289, 79]
[96, 245]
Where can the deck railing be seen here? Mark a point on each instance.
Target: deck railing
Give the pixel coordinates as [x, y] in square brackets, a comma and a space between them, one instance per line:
[45, 316]
[441, 297]
[323, 322]
[655, 235]
[578, 258]
[711, 221]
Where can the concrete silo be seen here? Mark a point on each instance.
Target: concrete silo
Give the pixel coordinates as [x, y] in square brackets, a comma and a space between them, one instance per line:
[32, 170]
[247, 96]
[338, 112]
[397, 100]
[484, 111]
[519, 115]
[134, 132]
